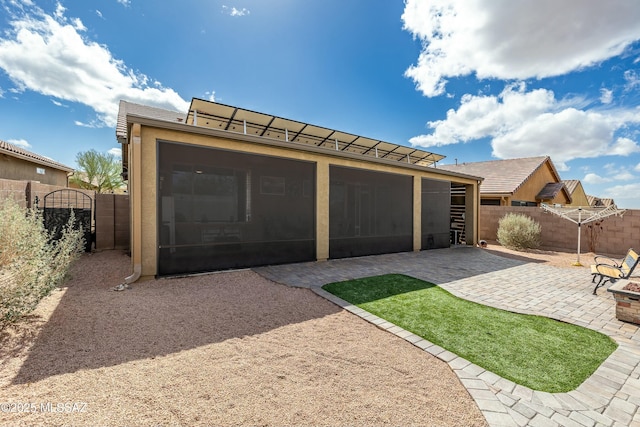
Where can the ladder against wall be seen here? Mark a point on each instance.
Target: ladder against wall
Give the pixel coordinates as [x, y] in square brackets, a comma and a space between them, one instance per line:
[458, 208]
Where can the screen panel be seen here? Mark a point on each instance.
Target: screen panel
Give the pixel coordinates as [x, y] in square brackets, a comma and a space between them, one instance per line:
[436, 213]
[369, 212]
[222, 209]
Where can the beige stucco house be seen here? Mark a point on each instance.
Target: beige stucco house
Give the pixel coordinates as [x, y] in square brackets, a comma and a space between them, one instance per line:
[19, 164]
[221, 187]
[526, 181]
[578, 196]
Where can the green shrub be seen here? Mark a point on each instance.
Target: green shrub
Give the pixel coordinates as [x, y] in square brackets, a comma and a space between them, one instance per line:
[31, 264]
[518, 231]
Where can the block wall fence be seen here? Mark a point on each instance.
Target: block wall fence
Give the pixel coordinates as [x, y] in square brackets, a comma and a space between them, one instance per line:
[110, 211]
[112, 222]
[618, 234]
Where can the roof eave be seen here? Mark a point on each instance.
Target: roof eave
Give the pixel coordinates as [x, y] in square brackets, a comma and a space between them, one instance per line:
[57, 166]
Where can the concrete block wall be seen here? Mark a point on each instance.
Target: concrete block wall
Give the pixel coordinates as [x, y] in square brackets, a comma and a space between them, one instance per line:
[617, 236]
[15, 190]
[38, 190]
[122, 222]
[112, 221]
[110, 211]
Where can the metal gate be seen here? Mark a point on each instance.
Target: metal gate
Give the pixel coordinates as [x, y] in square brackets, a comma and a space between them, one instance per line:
[57, 209]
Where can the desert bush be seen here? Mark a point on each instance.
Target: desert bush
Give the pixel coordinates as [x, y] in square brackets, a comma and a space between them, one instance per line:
[31, 264]
[518, 231]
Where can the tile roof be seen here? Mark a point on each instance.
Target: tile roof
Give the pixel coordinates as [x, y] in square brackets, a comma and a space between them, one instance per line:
[595, 201]
[15, 151]
[146, 111]
[502, 176]
[571, 184]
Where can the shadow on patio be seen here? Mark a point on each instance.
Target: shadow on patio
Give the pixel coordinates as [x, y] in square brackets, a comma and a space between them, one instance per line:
[436, 266]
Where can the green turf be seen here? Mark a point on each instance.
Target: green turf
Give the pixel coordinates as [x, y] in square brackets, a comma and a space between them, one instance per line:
[534, 351]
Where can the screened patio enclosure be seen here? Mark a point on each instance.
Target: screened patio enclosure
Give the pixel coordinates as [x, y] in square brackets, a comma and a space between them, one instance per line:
[436, 214]
[369, 212]
[221, 187]
[221, 209]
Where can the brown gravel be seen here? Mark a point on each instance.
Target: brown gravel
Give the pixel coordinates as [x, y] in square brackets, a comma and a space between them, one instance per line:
[550, 257]
[222, 349]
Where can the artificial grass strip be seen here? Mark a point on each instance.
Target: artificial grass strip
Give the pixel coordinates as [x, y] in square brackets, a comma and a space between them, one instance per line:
[533, 351]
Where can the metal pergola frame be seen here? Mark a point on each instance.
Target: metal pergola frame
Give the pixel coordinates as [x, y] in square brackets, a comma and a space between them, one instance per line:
[233, 119]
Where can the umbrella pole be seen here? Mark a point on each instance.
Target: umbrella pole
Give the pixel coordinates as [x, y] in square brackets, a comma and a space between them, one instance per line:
[577, 263]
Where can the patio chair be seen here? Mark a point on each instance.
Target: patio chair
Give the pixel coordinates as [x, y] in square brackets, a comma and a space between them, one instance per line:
[610, 270]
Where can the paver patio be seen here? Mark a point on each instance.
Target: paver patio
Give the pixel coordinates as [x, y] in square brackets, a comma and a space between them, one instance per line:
[610, 397]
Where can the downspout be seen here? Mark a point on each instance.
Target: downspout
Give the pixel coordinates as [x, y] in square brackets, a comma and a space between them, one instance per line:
[476, 216]
[135, 194]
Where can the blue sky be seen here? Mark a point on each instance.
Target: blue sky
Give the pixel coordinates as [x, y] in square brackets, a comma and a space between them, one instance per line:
[470, 79]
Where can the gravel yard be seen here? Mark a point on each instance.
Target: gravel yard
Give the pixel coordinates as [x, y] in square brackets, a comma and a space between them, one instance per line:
[221, 349]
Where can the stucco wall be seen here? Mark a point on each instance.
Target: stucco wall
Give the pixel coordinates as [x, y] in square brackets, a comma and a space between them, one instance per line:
[202, 137]
[579, 197]
[617, 236]
[23, 170]
[532, 187]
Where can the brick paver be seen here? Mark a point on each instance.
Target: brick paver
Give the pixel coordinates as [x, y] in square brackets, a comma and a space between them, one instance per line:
[611, 396]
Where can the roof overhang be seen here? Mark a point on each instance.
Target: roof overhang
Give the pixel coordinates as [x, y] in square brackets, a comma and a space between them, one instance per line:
[19, 153]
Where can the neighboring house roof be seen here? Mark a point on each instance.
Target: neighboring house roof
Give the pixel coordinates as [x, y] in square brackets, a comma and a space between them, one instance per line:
[146, 111]
[550, 191]
[571, 184]
[21, 153]
[503, 176]
[596, 202]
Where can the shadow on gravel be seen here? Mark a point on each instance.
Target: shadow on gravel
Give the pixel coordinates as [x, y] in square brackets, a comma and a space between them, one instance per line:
[95, 327]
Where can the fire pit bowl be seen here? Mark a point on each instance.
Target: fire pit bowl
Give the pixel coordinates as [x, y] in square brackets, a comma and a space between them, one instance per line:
[627, 296]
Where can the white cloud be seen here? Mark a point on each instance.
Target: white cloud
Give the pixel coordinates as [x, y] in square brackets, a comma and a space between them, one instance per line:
[624, 175]
[534, 123]
[99, 14]
[91, 125]
[117, 152]
[632, 79]
[211, 96]
[592, 178]
[124, 2]
[624, 147]
[606, 96]
[232, 11]
[637, 168]
[19, 142]
[514, 40]
[60, 9]
[49, 55]
[623, 192]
